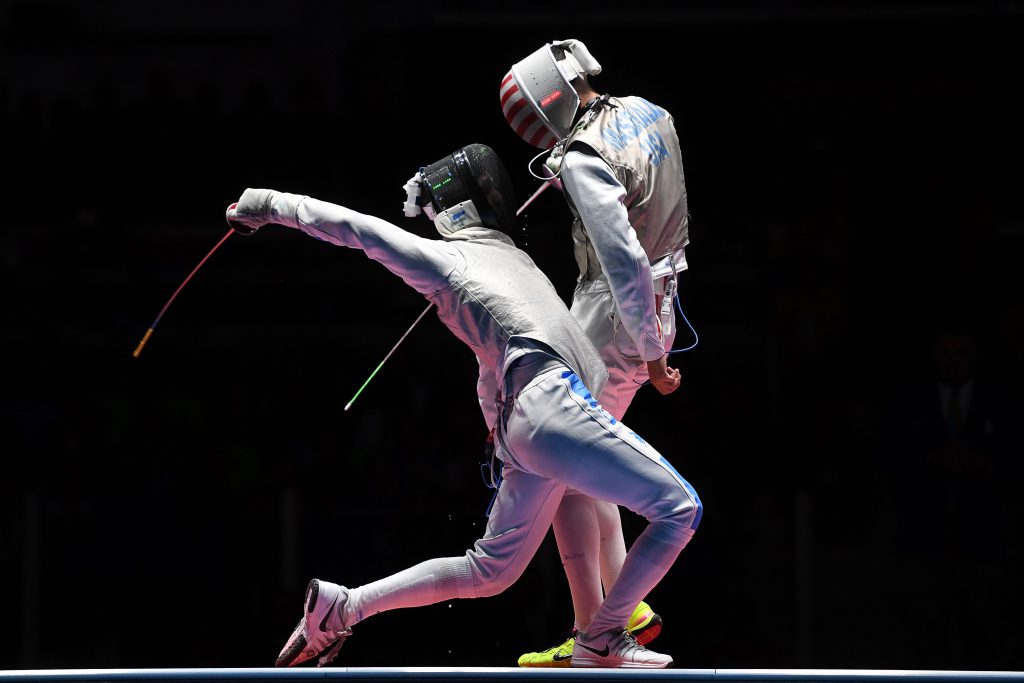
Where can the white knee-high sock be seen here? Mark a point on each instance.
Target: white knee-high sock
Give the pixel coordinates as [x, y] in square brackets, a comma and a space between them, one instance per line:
[613, 543]
[425, 584]
[576, 531]
[646, 563]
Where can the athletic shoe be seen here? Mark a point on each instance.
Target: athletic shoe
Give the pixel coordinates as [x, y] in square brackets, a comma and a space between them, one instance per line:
[320, 632]
[615, 650]
[553, 657]
[644, 624]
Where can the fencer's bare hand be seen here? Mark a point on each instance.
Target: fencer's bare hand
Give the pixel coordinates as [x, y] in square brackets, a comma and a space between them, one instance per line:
[665, 379]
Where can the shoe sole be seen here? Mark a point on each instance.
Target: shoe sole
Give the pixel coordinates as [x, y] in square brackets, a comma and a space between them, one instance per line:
[297, 641]
[647, 632]
[549, 664]
[594, 664]
[294, 647]
[588, 661]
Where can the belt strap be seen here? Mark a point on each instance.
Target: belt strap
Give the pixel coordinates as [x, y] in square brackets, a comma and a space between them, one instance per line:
[669, 264]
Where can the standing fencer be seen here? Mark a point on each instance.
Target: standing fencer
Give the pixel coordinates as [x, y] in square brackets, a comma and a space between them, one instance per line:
[536, 371]
[619, 162]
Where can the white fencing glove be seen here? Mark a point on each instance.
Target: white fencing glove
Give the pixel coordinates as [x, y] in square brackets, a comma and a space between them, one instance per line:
[588, 65]
[256, 207]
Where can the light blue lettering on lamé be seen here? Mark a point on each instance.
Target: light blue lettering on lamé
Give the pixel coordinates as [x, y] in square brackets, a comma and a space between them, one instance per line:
[655, 147]
[631, 122]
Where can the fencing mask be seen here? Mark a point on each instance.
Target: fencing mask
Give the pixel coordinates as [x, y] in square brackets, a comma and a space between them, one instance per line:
[467, 188]
[537, 97]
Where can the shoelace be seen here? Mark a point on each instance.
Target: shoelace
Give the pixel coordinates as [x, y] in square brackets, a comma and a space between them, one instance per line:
[631, 645]
[331, 652]
[571, 633]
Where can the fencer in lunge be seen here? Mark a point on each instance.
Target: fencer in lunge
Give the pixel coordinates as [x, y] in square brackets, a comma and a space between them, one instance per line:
[538, 376]
[619, 162]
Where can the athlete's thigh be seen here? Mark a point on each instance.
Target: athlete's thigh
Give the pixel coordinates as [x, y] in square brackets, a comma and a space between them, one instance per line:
[559, 431]
[594, 310]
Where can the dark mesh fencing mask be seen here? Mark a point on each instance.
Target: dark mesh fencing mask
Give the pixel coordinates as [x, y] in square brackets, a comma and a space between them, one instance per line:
[470, 187]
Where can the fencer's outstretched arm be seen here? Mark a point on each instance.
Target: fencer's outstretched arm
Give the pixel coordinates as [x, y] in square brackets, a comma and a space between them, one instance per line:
[598, 197]
[422, 263]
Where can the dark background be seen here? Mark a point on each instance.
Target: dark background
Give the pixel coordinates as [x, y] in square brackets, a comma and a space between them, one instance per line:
[853, 173]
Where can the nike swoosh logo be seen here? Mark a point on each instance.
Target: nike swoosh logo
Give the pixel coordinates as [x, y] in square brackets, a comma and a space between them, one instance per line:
[599, 653]
[562, 658]
[323, 622]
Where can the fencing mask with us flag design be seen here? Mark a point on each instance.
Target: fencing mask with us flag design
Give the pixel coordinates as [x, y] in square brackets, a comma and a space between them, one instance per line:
[537, 96]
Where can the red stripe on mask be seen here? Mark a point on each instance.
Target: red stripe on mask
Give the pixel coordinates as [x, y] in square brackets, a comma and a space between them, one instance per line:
[508, 93]
[543, 138]
[526, 123]
[510, 115]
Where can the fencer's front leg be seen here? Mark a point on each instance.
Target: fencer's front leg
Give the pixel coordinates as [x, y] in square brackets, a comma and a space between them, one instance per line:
[257, 207]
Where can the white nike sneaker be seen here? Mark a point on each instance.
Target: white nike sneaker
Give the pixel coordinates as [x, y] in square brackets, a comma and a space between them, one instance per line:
[615, 650]
[320, 632]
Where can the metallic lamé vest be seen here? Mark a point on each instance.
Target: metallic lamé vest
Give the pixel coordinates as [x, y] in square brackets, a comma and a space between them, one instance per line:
[498, 293]
[638, 141]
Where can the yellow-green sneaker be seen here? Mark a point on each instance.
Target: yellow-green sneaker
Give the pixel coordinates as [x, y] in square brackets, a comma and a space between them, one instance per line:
[557, 656]
[645, 625]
